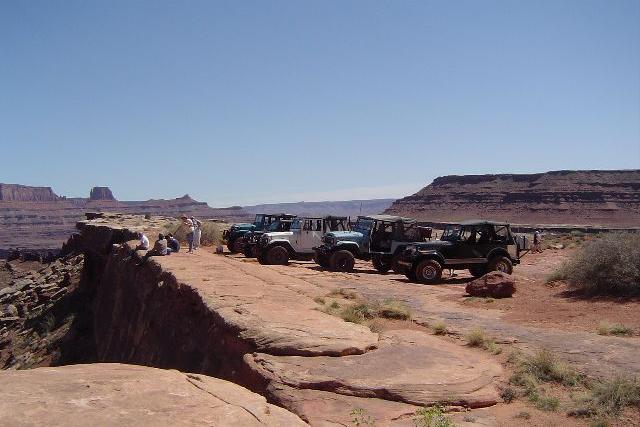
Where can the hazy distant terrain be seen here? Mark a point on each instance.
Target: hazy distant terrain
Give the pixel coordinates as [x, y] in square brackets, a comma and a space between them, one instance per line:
[344, 208]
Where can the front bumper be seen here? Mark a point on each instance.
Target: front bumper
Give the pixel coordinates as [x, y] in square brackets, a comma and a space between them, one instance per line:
[322, 251]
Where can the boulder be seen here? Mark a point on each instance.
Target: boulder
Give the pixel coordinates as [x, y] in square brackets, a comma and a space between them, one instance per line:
[124, 395]
[494, 284]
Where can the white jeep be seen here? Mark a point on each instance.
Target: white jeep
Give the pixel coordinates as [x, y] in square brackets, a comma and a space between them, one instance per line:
[298, 243]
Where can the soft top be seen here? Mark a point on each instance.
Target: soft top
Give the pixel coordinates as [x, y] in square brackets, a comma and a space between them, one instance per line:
[482, 222]
[390, 218]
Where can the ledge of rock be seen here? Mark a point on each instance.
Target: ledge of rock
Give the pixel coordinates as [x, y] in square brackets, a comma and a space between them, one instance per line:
[114, 394]
[410, 367]
[261, 328]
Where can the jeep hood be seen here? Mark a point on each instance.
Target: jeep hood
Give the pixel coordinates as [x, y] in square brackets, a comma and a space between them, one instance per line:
[351, 236]
[243, 226]
[278, 234]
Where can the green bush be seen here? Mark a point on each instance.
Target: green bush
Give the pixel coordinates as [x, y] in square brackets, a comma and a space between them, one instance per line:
[608, 265]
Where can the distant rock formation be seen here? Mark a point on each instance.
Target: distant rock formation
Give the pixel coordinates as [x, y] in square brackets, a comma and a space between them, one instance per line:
[351, 208]
[35, 218]
[604, 198]
[23, 193]
[101, 193]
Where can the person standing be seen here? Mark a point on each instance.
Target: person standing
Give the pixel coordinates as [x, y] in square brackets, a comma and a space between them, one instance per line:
[188, 224]
[537, 240]
[197, 233]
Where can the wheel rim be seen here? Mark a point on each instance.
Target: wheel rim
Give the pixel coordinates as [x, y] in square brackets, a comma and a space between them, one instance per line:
[429, 272]
[502, 267]
[342, 263]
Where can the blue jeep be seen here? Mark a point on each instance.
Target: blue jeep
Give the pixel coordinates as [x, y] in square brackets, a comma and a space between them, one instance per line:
[234, 236]
[379, 238]
[479, 246]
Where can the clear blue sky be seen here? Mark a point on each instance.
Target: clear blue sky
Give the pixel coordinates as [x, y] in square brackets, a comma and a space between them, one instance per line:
[258, 101]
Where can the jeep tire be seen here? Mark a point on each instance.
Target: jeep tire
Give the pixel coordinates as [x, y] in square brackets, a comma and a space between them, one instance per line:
[381, 264]
[478, 270]
[500, 263]
[321, 260]
[277, 255]
[342, 260]
[428, 271]
[396, 267]
[235, 245]
[248, 251]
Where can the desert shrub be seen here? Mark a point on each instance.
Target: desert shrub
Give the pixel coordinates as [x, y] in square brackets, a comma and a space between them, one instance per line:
[431, 417]
[523, 415]
[393, 309]
[543, 366]
[319, 300]
[508, 394]
[610, 397]
[439, 328]
[478, 338]
[366, 310]
[342, 292]
[547, 403]
[211, 232]
[334, 304]
[360, 417]
[606, 328]
[608, 265]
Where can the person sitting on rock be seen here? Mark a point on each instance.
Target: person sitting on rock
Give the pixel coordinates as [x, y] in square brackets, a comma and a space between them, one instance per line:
[144, 242]
[159, 248]
[173, 243]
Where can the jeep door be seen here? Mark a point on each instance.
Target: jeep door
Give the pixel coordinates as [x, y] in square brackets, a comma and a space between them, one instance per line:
[467, 249]
[310, 235]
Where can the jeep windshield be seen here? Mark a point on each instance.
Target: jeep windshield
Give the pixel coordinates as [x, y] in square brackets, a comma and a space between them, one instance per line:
[451, 233]
[274, 226]
[259, 220]
[363, 225]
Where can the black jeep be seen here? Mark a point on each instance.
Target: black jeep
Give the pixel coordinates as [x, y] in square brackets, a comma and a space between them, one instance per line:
[479, 246]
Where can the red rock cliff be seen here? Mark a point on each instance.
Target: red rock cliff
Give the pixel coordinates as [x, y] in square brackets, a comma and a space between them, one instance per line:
[605, 198]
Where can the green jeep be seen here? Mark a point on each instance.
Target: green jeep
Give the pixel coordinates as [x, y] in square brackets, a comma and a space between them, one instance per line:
[379, 238]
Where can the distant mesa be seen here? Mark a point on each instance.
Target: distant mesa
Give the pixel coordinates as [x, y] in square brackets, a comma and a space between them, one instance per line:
[23, 193]
[101, 193]
[587, 197]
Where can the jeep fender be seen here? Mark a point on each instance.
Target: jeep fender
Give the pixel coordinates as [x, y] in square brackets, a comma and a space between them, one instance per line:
[284, 243]
[351, 247]
[498, 252]
[435, 255]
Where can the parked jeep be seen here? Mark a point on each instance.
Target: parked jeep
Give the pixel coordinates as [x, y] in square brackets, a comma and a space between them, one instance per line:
[252, 238]
[234, 235]
[479, 246]
[379, 238]
[299, 241]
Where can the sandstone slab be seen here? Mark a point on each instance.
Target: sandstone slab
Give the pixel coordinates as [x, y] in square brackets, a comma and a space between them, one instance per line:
[409, 366]
[127, 395]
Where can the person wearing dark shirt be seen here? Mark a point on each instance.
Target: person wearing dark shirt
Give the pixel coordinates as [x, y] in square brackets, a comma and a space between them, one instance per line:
[172, 243]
